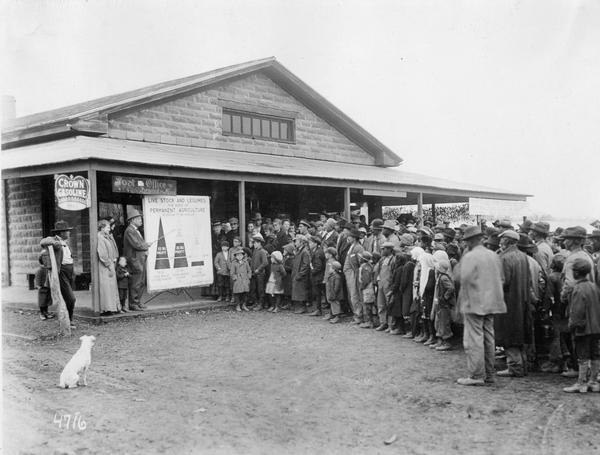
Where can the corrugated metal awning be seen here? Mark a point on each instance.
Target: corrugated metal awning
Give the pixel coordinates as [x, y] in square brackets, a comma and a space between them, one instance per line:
[238, 162]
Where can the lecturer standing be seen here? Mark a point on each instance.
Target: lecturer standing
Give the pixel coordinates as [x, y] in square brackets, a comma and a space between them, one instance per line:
[135, 249]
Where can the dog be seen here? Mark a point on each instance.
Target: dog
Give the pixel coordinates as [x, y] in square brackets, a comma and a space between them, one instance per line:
[77, 367]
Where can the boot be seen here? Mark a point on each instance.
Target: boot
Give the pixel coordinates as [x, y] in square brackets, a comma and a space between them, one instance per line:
[301, 309]
[581, 384]
[431, 340]
[317, 312]
[593, 384]
[408, 335]
[238, 308]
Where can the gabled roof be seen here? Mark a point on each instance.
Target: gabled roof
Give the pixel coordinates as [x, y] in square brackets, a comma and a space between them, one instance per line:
[90, 117]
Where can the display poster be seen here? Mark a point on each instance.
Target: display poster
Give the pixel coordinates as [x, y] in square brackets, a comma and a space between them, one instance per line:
[181, 253]
[498, 208]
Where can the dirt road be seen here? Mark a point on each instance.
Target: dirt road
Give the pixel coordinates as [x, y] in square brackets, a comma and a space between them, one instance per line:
[229, 383]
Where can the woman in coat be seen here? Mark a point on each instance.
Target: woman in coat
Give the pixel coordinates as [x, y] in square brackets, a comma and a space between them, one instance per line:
[301, 274]
[108, 255]
[395, 313]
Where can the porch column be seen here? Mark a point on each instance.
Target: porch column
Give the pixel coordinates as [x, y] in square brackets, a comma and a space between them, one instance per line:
[242, 210]
[420, 209]
[347, 203]
[364, 210]
[93, 225]
[433, 212]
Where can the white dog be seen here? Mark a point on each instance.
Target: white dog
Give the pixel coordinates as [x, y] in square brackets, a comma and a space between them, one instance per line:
[77, 367]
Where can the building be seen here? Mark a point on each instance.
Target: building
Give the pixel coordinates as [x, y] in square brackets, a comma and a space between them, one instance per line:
[252, 136]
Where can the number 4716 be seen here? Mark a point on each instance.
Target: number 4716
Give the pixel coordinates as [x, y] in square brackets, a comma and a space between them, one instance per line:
[69, 421]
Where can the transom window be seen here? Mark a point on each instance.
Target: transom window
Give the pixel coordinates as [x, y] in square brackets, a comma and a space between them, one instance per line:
[259, 126]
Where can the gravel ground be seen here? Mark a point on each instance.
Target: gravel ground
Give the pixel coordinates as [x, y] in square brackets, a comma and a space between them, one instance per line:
[221, 382]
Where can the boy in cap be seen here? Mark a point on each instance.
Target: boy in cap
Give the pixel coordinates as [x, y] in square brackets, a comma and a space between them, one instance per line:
[317, 271]
[301, 274]
[329, 259]
[584, 324]
[366, 289]
[384, 277]
[222, 262]
[240, 279]
[351, 266]
[259, 264]
[275, 283]
[334, 291]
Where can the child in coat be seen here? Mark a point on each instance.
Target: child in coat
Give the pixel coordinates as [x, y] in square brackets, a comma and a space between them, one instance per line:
[123, 275]
[330, 257]
[334, 291]
[43, 285]
[366, 289]
[240, 279]
[584, 324]
[446, 300]
[222, 262]
[274, 287]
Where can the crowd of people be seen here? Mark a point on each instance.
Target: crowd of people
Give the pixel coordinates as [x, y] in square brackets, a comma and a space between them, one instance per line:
[521, 294]
[525, 295]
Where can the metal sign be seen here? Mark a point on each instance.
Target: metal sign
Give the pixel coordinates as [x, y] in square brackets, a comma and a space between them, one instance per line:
[72, 193]
[143, 185]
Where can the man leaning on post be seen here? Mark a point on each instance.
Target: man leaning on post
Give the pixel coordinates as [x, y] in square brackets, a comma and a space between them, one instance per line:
[479, 298]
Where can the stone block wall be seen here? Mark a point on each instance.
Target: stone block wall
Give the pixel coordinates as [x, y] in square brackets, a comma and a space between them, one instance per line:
[195, 120]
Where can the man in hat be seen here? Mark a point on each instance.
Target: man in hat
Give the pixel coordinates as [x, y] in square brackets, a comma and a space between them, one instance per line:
[595, 239]
[480, 298]
[539, 233]
[303, 227]
[573, 237]
[258, 264]
[317, 272]
[525, 227]
[374, 241]
[342, 241]
[300, 274]
[64, 263]
[505, 225]
[383, 273]
[217, 237]
[234, 224]
[439, 242]
[258, 224]
[135, 249]
[514, 329]
[350, 269]
[330, 235]
[390, 232]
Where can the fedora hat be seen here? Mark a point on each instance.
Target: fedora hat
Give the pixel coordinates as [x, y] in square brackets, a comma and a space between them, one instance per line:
[133, 213]
[526, 226]
[506, 224]
[525, 243]
[258, 238]
[575, 232]
[354, 233]
[493, 240]
[304, 222]
[541, 226]
[510, 234]
[377, 223]
[390, 224]
[472, 231]
[61, 226]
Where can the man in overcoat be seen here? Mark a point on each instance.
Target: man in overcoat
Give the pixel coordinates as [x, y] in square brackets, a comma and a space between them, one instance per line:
[300, 274]
[135, 249]
[317, 272]
[514, 329]
[350, 269]
[479, 299]
[64, 261]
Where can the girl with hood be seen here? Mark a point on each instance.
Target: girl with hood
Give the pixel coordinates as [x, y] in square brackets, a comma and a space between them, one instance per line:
[426, 289]
[445, 302]
[275, 283]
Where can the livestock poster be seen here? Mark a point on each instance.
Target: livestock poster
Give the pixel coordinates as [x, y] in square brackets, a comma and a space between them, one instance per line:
[181, 253]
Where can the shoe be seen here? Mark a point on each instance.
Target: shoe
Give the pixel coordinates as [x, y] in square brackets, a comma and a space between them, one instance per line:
[395, 332]
[327, 317]
[436, 344]
[576, 388]
[245, 308]
[430, 341]
[315, 313]
[356, 321]
[490, 380]
[381, 328]
[300, 310]
[275, 310]
[124, 310]
[569, 373]
[257, 307]
[238, 309]
[550, 368]
[135, 308]
[444, 346]
[506, 374]
[366, 325]
[335, 320]
[388, 330]
[420, 339]
[43, 317]
[219, 299]
[470, 381]
[408, 335]
[270, 309]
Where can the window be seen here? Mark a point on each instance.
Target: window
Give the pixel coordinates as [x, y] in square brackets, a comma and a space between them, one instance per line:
[257, 126]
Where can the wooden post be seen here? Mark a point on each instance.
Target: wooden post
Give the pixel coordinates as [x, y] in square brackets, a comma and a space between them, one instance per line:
[64, 324]
[433, 213]
[93, 229]
[347, 203]
[420, 209]
[242, 210]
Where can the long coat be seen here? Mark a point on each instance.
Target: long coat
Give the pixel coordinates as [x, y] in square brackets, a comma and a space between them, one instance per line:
[240, 276]
[135, 249]
[406, 287]
[479, 274]
[108, 255]
[584, 311]
[514, 327]
[384, 276]
[301, 275]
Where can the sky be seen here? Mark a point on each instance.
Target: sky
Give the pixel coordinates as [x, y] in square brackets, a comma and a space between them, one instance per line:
[498, 93]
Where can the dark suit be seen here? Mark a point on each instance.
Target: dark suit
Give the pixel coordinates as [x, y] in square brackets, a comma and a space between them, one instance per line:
[135, 249]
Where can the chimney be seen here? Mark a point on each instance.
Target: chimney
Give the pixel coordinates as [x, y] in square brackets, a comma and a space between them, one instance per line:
[9, 108]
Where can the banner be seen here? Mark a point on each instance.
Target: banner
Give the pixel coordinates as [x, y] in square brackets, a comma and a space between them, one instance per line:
[136, 185]
[181, 252]
[72, 193]
[498, 208]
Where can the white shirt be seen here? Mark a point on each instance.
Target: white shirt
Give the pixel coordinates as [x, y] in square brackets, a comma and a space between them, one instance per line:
[67, 257]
